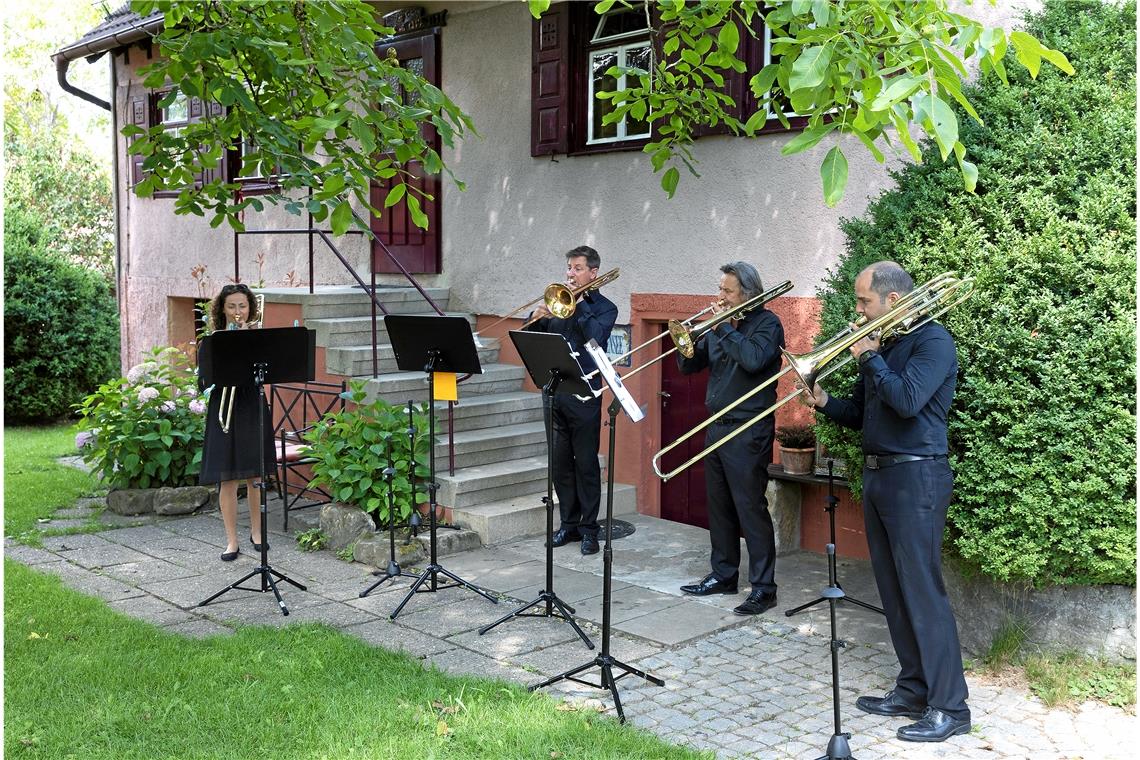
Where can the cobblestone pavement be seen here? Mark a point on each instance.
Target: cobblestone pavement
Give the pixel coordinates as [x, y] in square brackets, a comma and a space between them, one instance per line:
[756, 687]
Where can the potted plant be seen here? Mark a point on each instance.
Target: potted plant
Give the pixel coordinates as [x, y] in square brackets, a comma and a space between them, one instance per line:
[797, 448]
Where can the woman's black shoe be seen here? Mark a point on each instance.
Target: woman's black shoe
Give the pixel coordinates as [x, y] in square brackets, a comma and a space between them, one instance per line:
[230, 556]
[256, 546]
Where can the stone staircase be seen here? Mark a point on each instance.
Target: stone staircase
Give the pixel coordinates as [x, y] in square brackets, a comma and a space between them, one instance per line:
[499, 438]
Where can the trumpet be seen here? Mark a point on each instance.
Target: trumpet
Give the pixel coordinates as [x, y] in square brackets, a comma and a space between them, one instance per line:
[559, 299]
[914, 310]
[685, 337]
[229, 392]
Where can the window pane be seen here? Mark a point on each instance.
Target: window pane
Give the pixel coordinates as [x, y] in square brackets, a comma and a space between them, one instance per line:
[600, 62]
[176, 112]
[620, 23]
[636, 57]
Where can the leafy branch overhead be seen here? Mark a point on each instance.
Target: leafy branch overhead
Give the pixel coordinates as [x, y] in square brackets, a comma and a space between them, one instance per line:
[868, 69]
[301, 85]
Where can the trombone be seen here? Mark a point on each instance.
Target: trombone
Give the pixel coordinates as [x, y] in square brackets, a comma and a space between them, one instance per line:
[559, 299]
[685, 337]
[914, 310]
[229, 392]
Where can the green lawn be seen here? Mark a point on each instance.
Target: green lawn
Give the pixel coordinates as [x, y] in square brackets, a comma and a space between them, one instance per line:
[85, 682]
[34, 484]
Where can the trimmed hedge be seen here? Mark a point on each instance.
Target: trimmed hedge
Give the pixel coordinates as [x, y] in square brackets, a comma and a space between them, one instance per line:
[61, 330]
[1042, 431]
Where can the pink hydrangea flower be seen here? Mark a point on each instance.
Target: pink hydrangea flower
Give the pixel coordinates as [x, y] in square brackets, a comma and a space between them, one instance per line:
[169, 406]
[198, 406]
[84, 438]
[147, 394]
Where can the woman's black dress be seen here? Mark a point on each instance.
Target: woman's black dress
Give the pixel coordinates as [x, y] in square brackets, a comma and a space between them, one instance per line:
[233, 455]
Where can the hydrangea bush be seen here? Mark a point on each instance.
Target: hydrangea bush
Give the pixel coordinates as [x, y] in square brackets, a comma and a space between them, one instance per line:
[145, 430]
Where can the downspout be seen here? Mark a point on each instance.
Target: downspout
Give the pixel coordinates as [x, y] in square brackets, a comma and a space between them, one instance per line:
[116, 203]
[62, 63]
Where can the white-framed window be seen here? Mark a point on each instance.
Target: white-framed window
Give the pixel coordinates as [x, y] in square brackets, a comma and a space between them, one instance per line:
[621, 38]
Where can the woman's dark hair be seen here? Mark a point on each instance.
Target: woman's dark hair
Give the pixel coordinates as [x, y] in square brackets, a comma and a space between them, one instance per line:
[218, 307]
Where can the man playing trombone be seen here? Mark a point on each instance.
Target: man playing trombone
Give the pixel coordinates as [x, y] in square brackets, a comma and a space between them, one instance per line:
[736, 475]
[901, 404]
[578, 424]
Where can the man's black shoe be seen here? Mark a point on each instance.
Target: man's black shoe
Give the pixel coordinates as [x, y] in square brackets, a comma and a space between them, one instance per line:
[757, 602]
[935, 726]
[589, 545]
[889, 704]
[711, 585]
[563, 536]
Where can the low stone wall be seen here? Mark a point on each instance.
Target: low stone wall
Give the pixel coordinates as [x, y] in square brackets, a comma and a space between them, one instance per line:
[1099, 621]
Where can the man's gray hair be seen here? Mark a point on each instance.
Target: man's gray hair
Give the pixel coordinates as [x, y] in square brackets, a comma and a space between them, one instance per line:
[748, 277]
[889, 277]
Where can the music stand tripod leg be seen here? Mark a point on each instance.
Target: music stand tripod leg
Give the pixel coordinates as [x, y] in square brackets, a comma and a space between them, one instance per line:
[547, 597]
[393, 570]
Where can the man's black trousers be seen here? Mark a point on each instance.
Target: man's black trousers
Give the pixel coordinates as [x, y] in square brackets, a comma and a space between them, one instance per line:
[904, 511]
[577, 476]
[736, 477]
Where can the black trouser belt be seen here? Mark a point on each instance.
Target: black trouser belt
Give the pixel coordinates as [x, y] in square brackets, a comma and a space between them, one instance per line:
[879, 461]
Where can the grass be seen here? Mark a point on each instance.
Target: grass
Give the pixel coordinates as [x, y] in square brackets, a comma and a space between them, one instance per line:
[84, 681]
[1060, 680]
[35, 485]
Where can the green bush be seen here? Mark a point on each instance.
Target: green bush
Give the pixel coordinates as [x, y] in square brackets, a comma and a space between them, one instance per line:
[1042, 431]
[61, 333]
[353, 447]
[145, 430]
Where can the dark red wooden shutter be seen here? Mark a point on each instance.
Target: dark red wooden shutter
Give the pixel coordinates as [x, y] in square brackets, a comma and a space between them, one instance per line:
[550, 82]
[138, 112]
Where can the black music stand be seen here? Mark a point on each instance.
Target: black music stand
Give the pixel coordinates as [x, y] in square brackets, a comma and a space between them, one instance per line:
[433, 344]
[838, 747]
[604, 660]
[832, 503]
[271, 355]
[550, 361]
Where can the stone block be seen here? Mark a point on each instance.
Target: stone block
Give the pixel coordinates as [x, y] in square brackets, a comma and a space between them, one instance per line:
[180, 501]
[345, 525]
[375, 550]
[131, 501]
[784, 505]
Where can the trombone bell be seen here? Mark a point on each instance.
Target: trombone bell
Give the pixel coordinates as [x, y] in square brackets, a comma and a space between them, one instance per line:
[559, 300]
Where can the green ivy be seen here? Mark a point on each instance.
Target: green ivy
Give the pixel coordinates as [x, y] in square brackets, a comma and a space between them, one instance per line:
[354, 446]
[1042, 431]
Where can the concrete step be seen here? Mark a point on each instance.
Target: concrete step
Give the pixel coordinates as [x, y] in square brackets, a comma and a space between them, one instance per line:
[334, 301]
[357, 331]
[491, 410]
[399, 387]
[356, 361]
[495, 481]
[495, 444]
[509, 519]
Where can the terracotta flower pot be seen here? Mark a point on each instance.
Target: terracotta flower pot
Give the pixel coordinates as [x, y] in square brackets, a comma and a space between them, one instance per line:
[797, 461]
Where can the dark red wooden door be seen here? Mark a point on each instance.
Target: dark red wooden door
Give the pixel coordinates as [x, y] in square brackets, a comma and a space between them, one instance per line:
[417, 249]
[682, 408]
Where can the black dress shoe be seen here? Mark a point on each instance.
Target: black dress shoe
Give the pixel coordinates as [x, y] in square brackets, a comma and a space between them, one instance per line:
[256, 546]
[563, 536]
[589, 545]
[711, 585]
[230, 556]
[890, 704]
[935, 726]
[757, 602]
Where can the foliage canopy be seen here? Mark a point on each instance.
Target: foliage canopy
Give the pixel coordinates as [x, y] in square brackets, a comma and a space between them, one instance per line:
[1042, 431]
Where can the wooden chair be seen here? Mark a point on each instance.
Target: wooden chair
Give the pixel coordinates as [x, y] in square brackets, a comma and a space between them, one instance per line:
[296, 408]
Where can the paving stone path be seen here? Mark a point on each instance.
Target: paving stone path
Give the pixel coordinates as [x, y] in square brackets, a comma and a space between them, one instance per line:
[742, 687]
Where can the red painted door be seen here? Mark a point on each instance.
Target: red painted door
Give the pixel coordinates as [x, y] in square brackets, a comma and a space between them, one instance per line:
[418, 250]
[683, 408]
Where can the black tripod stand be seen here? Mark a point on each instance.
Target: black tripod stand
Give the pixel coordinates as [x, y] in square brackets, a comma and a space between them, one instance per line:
[433, 344]
[832, 503]
[287, 347]
[547, 595]
[837, 747]
[393, 570]
[605, 661]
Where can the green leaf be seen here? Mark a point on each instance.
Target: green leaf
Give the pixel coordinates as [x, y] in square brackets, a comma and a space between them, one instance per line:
[761, 83]
[969, 175]
[395, 195]
[728, 39]
[669, 180]
[810, 68]
[808, 138]
[419, 218]
[833, 171]
[341, 218]
[1028, 51]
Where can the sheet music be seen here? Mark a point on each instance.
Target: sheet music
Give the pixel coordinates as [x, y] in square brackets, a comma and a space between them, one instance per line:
[614, 381]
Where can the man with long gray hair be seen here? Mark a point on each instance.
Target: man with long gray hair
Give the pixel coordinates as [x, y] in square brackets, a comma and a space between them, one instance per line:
[739, 357]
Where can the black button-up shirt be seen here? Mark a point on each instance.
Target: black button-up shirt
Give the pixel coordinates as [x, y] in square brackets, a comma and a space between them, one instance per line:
[905, 394]
[593, 318]
[739, 358]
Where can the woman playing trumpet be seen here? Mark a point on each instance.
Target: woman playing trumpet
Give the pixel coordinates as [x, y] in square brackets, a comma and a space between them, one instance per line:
[230, 448]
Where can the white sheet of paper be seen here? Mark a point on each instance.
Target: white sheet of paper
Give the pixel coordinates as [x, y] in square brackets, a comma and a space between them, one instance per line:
[614, 381]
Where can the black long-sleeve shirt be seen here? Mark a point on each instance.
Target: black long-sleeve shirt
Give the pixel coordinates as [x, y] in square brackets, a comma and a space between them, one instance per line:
[905, 395]
[739, 358]
[593, 318]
